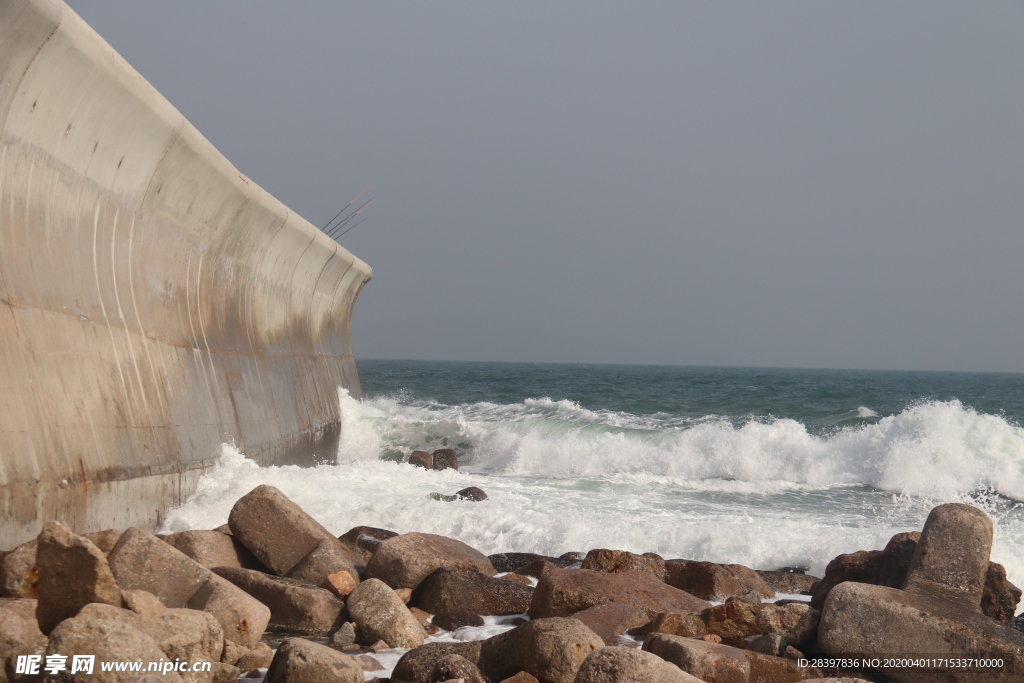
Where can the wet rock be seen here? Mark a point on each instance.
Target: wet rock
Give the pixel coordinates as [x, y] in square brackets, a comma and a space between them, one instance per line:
[788, 582]
[380, 614]
[716, 662]
[242, 617]
[214, 549]
[405, 561]
[611, 620]
[550, 649]
[711, 581]
[301, 661]
[471, 493]
[566, 591]
[938, 611]
[456, 667]
[295, 606]
[453, 620]
[445, 459]
[329, 557]
[104, 540]
[18, 572]
[277, 531]
[539, 568]
[416, 664]
[142, 602]
[109, 639]
[455, 590]
[510, 562]
[626, 665]
[618, 561]
[73, 572]
[422, 459]
[142, 561]
[255, 659]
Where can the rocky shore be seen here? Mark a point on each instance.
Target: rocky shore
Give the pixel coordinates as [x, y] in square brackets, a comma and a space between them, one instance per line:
[330, 604]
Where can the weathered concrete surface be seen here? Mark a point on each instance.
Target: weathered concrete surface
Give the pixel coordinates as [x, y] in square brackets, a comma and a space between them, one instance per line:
[154, 302]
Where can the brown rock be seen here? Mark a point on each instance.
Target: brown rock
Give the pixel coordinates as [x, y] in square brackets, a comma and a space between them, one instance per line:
[214, 549]
[521, 677]
[685, 624]
[295, 606]
[242, 617]
[73, 572]
[19, 573]
[142, 602]
[711, 581]
[456, 667]
[340, 583]
[405, 594]
[416, 664]
[797, 622]
[565, 591]
[618, 561]
[733, 620]
[277, 531]
[363, 540]
[537, 568]
[19, 631]
[471, 493]
[550, 649]
[301, 661]
[789, 582]
[104, 540]
[611, 620]
[456, 590]
[626, 665]
[453, 620]
[721, 663]
[380, 614]
[510, 562]
[1000, 598]
[422, 459]
[421, 616]
[142, 561]
[225, 673]
[517, 578]
[330, 556]
[255, 659]
[404, 561]
[445, 459]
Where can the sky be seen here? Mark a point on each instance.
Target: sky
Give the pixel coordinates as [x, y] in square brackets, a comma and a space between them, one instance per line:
[793, 184]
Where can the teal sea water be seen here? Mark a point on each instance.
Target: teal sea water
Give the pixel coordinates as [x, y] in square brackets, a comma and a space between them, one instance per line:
[765, 467]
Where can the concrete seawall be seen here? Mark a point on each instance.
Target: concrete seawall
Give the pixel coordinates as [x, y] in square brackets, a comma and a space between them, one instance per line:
[154, 302]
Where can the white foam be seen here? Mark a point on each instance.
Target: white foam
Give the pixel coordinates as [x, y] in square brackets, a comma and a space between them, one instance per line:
[865, 412]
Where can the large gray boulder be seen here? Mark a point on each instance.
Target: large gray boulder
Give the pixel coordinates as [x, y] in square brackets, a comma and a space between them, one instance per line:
[301, 661]
[457, 590]
[405, 561]
[381, 615]
[562, 592]
[73, 572]
[628, 665]
[550, 649]
[938, 611]
[295, 606]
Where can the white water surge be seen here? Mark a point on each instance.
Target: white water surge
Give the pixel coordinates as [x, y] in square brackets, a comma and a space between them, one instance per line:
[559, 477]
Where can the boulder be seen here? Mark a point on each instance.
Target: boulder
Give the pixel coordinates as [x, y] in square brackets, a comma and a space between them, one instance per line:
[142, 561]
[453, 620]
[255, 659]
[456, 667]
[344, 636]
[367, 538]
[18, 572]
[938, 611]
[340, 583]
[1000, 598]
[416, 664]
[517, 578]
[109, 639]
[19, 631]
[711, 581]
[445, 459]
[539, 568]
[797, 622]
[421, 459]
[685, 624]
[104, 540]
[405, 561]
[550, 649]
[301, 661]
[142, 602]
[295, 606]
[456, 590]
[788, 582]
[725, 664]
[329, 557]
[565, 591]
[521, 677]
[627, 665]
[379, 614]
[618, 561]
[768, 644]
[214, 549]
[510, 562]
[73, 572]
[242, 617]
[612, 619]
[733, 620]
[225, 673]
[277, 531]
[471, 493]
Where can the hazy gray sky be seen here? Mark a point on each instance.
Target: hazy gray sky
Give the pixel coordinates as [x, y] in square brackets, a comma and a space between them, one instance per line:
[809, 184]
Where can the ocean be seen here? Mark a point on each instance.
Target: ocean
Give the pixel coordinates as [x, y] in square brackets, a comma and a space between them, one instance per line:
[764, 467]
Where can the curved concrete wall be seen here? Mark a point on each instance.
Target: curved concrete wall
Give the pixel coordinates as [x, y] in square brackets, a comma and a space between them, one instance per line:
[154, 302]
